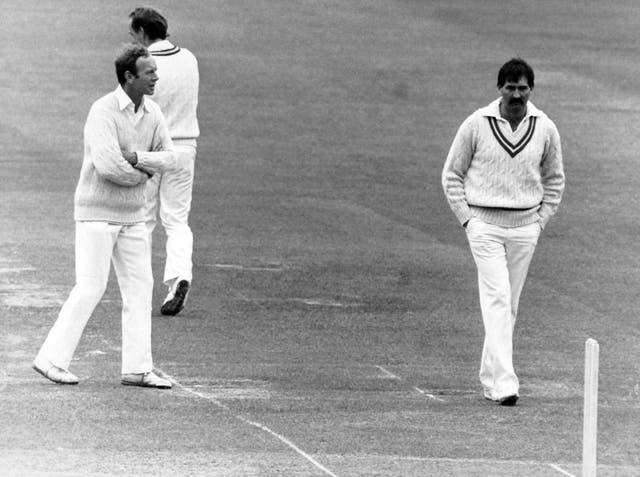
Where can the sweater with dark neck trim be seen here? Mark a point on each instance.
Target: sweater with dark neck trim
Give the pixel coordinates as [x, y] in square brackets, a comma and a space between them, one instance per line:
[504, 177]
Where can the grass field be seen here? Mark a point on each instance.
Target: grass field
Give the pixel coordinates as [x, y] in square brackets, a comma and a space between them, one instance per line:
[333, 328]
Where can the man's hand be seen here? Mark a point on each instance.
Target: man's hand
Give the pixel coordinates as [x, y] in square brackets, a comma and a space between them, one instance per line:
[130, 157]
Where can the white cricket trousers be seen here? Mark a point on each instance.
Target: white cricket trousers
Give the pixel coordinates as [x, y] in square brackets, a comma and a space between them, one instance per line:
[171, 192]
[502, 256]
[98, 244]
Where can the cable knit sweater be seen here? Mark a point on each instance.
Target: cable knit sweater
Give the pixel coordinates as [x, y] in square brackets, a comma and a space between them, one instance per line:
[504, 177]
[177, 90]
[109, 188]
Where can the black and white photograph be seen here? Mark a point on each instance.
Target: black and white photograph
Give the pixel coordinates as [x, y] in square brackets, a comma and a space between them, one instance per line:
[320, 238]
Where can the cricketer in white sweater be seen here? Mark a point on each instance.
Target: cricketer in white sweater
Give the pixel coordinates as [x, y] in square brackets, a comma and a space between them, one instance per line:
[503, 185]
[109, 189]
[110, 228]
[504, 177]
[177, 90]
[169, 194]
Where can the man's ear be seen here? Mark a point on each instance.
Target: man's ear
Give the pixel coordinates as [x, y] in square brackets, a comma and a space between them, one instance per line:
[129, 76]
[143, 35]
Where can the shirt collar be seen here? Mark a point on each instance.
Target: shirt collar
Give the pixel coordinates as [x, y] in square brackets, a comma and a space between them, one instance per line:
[161, 45]
[493, 110]
[124, 100]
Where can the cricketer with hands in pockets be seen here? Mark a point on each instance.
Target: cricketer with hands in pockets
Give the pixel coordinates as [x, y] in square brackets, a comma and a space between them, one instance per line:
[504, 179]
[126, 141]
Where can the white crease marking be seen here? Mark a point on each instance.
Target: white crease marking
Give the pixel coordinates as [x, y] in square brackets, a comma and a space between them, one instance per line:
[290, 444]
[390, 375]
[495, 462]
[262, 427]
[17, 269]
[561, 470]
[429, 395]
[387, 373]
[231, 266]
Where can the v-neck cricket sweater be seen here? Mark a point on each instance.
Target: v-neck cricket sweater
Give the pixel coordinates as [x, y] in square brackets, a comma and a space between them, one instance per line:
[504, 177]
[109, 188]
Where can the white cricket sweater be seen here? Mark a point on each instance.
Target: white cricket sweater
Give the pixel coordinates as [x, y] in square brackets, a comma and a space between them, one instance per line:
[176, 91]
[109, 188]
[504, 177]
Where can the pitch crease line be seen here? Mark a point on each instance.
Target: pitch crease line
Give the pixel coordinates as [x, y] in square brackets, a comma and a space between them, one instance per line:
[288, 443]
[262, 427]
[561, 470]
[389, 374]
[429, 395]
[248, 268]
[496, 462]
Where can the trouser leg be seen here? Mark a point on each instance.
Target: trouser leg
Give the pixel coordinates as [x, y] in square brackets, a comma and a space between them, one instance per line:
[150, 209]
[175, 193]
[93, 247]
[520, 247]
[132, 263]
[488, 246]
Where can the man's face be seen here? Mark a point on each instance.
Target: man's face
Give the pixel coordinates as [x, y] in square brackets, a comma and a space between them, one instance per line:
[515, 95]
[144, 81]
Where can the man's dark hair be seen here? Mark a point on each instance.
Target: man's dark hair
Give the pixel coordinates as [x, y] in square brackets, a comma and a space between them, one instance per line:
[151, 21]
[126, 61]
[513, 70]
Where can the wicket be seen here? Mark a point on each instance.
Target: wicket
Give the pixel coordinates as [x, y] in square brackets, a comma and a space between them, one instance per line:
[590, 428]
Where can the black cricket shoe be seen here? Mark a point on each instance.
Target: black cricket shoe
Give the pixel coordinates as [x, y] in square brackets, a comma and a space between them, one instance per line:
[175, 301]
[509, 400]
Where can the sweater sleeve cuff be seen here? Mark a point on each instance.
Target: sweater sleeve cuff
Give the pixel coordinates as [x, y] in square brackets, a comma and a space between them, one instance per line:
[156, 161]
[463, 214]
